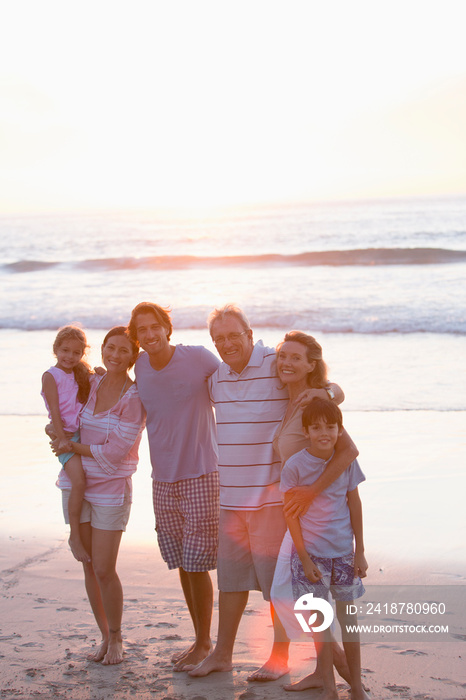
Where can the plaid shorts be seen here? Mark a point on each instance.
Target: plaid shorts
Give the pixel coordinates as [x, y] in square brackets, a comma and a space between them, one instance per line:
[186, 521]
[337, 578]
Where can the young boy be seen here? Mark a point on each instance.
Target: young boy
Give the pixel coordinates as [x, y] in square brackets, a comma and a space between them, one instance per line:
[322, 558]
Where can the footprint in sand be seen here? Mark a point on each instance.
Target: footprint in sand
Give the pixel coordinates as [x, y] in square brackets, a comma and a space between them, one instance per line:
[412, 652]
[165, 624]
[66, 609]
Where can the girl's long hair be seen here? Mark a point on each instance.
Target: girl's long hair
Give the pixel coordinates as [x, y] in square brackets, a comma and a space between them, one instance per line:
[82, 369]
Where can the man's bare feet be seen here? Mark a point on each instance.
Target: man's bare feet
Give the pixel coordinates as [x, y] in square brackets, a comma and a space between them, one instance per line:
[313, 680]
[192, 658]
[270, 671]
[212, 664]
[100, 653]
[77, 549]
[114, 653]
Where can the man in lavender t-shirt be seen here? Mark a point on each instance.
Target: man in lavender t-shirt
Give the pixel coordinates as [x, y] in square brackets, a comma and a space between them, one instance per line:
[172, 385]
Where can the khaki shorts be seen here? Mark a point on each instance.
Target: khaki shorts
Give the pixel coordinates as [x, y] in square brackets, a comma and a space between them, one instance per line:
[100, 517]
[249, 542]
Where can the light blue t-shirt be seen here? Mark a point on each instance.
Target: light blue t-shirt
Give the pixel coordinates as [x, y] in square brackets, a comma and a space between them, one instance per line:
[326, 526]
[180, 420]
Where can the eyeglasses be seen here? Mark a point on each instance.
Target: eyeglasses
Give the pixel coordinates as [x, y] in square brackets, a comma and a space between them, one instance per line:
[231, 337]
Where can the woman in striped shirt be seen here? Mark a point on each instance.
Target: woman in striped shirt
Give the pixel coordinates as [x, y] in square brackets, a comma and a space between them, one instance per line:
[111, 424]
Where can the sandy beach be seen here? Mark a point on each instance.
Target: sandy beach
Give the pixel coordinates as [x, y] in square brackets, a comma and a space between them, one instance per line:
[47, 627]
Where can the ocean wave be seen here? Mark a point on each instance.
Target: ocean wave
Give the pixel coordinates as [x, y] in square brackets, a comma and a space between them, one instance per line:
[364, 256]
[195, 319]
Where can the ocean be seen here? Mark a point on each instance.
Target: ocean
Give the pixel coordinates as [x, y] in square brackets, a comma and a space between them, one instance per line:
[362, 267]
[381, 284]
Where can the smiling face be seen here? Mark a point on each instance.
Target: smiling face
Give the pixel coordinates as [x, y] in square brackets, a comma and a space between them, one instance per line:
[152, 335]
[233, 342]
[117, 354]
[322, 437]
[69, 354]
[293, 366]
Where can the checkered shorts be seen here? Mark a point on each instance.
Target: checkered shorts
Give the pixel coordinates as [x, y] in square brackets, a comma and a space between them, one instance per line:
[186, 521]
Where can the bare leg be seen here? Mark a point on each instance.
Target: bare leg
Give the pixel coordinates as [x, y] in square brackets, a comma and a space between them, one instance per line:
[104, 590]
[277, 664]
[314, 680]
[75, 472]
[94, 595]
[105, 546]
[323, 642]
[185, 584]
[200, 602]
[352, 650]
[231, 608]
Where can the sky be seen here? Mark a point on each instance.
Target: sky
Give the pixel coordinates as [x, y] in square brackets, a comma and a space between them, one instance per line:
[200, 104]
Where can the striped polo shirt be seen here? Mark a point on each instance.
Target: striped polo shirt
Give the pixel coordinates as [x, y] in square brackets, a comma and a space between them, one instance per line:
[249, 407]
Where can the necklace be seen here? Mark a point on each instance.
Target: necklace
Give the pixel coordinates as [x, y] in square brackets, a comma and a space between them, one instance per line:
[109, 410]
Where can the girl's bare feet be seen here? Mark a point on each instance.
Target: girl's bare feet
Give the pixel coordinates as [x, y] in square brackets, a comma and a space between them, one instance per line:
[77, 550]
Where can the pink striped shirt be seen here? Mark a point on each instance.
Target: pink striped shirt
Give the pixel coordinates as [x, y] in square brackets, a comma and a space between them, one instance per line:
[114, 438]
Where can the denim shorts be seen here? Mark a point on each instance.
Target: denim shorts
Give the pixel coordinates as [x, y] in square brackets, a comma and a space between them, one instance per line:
[63, 459]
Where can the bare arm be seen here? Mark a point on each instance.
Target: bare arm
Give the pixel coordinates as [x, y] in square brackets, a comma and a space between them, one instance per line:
[80, 449]
[50, 390]
[310, 569]
[306, 396]
[355, 508]
[302, 496]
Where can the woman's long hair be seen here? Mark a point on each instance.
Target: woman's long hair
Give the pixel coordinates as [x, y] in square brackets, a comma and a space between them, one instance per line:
[317, 379]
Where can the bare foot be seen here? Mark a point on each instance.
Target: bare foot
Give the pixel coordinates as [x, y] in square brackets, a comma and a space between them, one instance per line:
[114, 653]
[270, 671]
[329, 695]
[211, 664]
[180, 654]
[100, 653]
[313, 680]
[360, 694]
[78, 551]
[193, 658]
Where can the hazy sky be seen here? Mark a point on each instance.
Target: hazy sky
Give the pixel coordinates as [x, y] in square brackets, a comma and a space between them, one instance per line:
[204, 103]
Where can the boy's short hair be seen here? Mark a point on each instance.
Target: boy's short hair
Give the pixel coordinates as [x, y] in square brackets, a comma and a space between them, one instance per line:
[322, 408]
[147, 307]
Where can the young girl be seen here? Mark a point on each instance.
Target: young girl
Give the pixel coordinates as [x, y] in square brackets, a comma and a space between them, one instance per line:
[65, 388]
